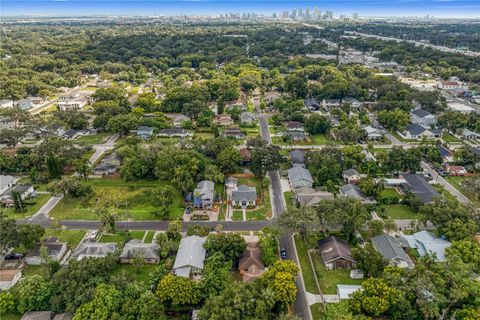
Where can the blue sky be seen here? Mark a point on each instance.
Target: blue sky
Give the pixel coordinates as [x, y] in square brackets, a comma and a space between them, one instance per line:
[437, 8]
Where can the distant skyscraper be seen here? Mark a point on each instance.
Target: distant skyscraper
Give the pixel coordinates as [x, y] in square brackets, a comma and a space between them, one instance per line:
[294, 14]
[274, 15]
[285, 15]
[329, 14]
[300, 13]
[307, 13]
[355, 15]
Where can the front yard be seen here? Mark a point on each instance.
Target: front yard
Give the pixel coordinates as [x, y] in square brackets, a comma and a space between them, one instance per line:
[456, 182]
[263, 210]
[120, 237]
[400, 211]
[134, 198]
[93, 139]
[31, 206]
[72, 237]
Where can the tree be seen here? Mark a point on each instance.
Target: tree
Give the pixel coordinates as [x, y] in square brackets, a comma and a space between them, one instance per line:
[268, 243]
[29, 235]
[178, 292]
[280, 278]
[229, 159]
[369, 260]
[317, 124]
[370, 187]
[265, 159]
[232, 245]
[303, 220]
[106, 210]
[82, 166]
[122, 124]
[32, 293]
[376, 298]
[163, 197]
[466, 250]
[138, 260]
[174, 229]
[337, 311]
[18, 201]
[53, 166]
[396, 119]
[105, 304]
[7, 302]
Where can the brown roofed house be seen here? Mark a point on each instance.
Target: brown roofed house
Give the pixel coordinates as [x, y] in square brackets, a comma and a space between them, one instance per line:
[246, 156]
[251, 264]
[335, 253]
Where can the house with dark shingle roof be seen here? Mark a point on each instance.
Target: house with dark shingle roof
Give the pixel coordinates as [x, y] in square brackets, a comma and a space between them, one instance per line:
[244, 196]
[148, 251]
[335, 253]
[294, 126]
[351, 176]
[251, 265]
[299, 177]
[417, 185]
[423, 118]
[352, 191]
[312, 104]
[390, 248]
[416, 131]
[310, 197]
[297, 157]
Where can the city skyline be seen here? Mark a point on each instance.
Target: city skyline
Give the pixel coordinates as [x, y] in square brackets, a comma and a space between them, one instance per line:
[398, 8]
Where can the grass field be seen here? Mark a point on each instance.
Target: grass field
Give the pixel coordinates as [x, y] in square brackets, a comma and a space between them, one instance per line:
[134, 198]
[121, 237]
[93, 139]
[447, 137]
[400, 211]
[307, 272]
[72, 237]
[10, 316]
[329, 279]
[237, 215]
[142, 274]
[316, 309]
[389, 192]
[30, 209]
[289, 199]
[149, 237]
[456, 182]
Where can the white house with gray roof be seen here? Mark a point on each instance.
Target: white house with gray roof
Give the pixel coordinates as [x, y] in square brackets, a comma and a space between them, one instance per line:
[135, 247]
[190, 257]
[390, 248]
[90, 249]
[423, 118]
[299, 177]
[6, 182]
[244, 196]
[247, 118]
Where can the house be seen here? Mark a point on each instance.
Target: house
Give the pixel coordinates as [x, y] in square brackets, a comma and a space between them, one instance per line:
[271, 96]
[417, 185]
[6, 123]
[246, 156]
[335, 253]
[90, 249]
[294, 126]
[247, 118]
[460, 107]
[416, 131]
[238, 106]
[328, 104]
[109, 165]
[233, 132]
[6, 182]
[334, 120]
[144, 132]
[311, 104]
[344, 291]
[203, 195]
[295, 135]
[231, 183]
[297, 157]
[427, 243]
[10, 273]
[446, 154]
[244, 196]
[190, 256]
[456, 170]
[37, 315]
[134, 247]
[423, 118]
[451, 85]
[299, 177]
[174, 132]
[72, 102]
[223, 120]
[352, 191]
[354, 103]
[251, 265]
[309, 197]
[71, 134]
[56, 251]
[23, 190]
[390, 248]
[470, 135]
[373, 134]
[351, 176]
[178, 119]
[24, 104]
[63, 316]
[6, 103]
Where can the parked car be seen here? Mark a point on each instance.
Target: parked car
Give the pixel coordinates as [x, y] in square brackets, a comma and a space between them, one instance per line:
[283, 254]
[13, 256]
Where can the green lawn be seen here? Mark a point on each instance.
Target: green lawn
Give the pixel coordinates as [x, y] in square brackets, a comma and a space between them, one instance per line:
[307, 272]
[399, 137]
[237, 215]
[134, 198]
[389, 192]
[149, 237]
[93, 139]
[329, 279]
[317, 310]
[400, 211]
[456, 182]
[444, 193]
[31, 206]
[72, 237]
[121, 237]
[289, 200]
[447, 137]
[143, 274]
[256, 214]
[10, 316]
[33, 270]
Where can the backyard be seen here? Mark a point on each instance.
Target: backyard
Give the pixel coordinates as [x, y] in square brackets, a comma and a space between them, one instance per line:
[137, 274]
[399, 211]
[134, 198]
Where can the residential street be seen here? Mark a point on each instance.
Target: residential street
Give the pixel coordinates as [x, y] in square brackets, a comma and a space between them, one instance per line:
[444, 183]
[301, 307]
[100, 149]
[41, 217]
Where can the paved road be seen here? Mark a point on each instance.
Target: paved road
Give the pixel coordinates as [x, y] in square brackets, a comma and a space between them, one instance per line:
[100, 149]
[301, 306]
[444, 183]
[41, 216]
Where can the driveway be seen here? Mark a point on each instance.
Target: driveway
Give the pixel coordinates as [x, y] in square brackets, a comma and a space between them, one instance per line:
[100, 149]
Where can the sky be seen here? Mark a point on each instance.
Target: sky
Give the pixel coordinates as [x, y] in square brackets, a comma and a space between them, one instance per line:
[436, 8]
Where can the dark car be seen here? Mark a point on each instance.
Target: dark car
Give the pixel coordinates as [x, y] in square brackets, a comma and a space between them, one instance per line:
[13, 256]
[283, 254]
